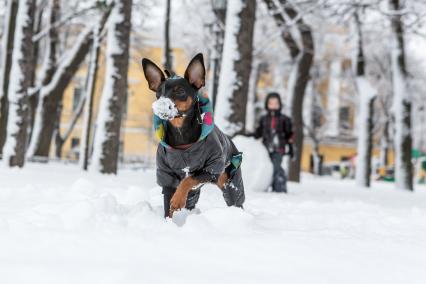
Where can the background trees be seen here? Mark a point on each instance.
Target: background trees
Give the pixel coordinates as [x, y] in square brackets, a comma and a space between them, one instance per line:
[320, 55]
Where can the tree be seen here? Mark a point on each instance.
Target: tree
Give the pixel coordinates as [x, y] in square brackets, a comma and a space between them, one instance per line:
[15, 145]
[402, 102]
[367, 94]
[167, 51]
[50, 60]
[89, 97]
[51, 93]
[230, 112]
[302, 56]
[107, 136]
[6, 61]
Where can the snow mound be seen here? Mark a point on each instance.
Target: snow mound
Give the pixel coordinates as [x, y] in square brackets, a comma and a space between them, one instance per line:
[257, 167]
[164, 108]
[61, 225]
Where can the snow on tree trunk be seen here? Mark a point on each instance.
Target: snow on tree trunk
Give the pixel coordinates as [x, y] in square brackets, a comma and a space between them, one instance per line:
[402, 104]
[366, 92]
[5, 61]
[52, 93]
[107, 136]
[15, 145]
[89, 97]
[50, 60]
[167, 50]
[230, 108]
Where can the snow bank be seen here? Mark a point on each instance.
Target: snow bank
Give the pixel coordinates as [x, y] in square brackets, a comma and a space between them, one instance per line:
[257, 167]
[61, 225]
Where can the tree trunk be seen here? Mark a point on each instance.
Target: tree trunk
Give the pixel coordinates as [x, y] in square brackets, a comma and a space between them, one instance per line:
[317, 163]
[402, 104]
[230, 112]
[217, 53]
[6, 62]
[366, 95]
[302, 58]
[384, 146]
[89, 96]
[15, 145]
[107, 137]
[50, 61]
[167, 51]
[302, 61]
[51, 94]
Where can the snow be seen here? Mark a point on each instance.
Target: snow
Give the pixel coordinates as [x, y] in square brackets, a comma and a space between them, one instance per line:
[254, 150]
[61, 225]
[228, 80]
[164, 108]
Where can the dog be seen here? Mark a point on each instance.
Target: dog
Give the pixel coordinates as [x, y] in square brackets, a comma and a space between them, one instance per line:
[192, 150]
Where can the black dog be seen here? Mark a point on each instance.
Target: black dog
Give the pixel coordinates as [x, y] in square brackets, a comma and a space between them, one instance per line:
[192, 151]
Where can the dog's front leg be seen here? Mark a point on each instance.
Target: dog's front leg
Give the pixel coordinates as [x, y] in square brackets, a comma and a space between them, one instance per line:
[178, 200]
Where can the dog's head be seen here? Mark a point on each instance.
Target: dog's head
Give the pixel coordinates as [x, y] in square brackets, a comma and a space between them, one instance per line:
[176, 96]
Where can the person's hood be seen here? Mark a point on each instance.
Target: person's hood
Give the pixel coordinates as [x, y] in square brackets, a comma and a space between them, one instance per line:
[273, 95]
[160, 125]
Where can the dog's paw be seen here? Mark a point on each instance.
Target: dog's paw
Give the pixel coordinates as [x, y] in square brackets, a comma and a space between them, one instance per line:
[178, 201]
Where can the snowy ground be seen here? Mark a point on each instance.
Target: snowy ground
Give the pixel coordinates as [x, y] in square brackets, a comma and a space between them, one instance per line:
[59, 225]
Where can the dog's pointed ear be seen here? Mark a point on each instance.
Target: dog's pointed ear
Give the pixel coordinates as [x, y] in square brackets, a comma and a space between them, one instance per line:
[196, 72]
[153, 74]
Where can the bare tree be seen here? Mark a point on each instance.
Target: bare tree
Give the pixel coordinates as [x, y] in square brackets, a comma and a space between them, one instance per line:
[50, 60]
[402, 102]
[302, 56]
[6, 61]
[89, 97]
[51, 93]
[107, 136]
[15, 145]
[367, 94]
[167, 50]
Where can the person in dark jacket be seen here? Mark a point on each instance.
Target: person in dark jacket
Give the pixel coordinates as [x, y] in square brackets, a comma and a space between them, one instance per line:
[192, 150]
[276, 132]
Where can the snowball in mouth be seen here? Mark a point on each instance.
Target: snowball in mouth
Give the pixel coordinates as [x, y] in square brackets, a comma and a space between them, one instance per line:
[164, 108]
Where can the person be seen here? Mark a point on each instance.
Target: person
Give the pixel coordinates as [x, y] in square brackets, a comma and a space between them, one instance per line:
[276, 132]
